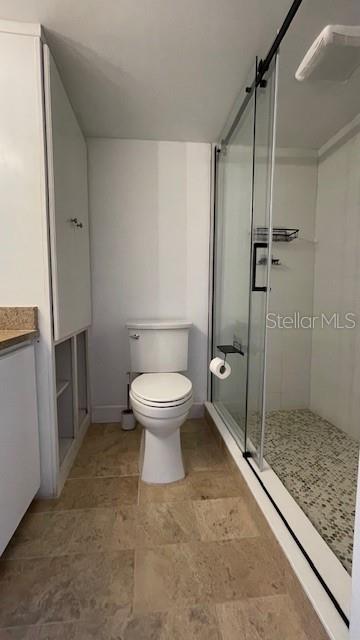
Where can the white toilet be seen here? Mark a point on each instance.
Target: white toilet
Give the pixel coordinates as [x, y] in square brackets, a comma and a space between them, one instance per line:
[160, 397]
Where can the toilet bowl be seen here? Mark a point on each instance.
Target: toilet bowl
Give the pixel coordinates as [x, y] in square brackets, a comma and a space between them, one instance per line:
[161, 403]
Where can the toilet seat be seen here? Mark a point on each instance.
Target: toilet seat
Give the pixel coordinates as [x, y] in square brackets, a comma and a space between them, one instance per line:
[161, 390]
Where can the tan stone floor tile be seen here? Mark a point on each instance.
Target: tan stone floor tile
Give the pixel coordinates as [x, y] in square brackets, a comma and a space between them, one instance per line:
[170, 576]
[197, 438]
[242, 568]
[90, 493]
[88, 589]
[270, 618]
[174, 492]
[42, 505]
[309, 619]
[118, 463]
[101, 428]
[256, 514]
[57, 631]
[192, 623]
[75, 531]
[103, 443]
[41, 535]
[65, 588]
[224, 519]
[92, 532]
[97, 458]
[200, 485]
[178, 575]
[110, 629]
[20, 633]
[83, 468]
[74, 631]
[204, 458]
[123, 532]
[166, 523]
[112, 432]
[194, 426]
[208, 485]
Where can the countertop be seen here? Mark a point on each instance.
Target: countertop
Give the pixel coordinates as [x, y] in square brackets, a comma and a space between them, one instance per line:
[17, 325]
[11, 337]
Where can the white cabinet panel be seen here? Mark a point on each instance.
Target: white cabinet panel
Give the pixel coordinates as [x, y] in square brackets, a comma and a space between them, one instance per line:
[19, 439]
[68, 199]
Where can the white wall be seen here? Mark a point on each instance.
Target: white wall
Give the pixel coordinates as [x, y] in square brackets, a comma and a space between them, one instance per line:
[335, 367]
[289, 350]
[149, 217]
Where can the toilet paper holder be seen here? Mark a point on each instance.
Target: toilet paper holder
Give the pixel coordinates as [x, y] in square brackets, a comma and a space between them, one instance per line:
[229, 348]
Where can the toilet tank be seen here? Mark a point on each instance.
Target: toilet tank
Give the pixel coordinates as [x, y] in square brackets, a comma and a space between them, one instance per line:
[158, 346]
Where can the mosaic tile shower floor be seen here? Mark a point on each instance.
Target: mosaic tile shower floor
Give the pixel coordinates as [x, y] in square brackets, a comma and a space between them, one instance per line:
[318, 464]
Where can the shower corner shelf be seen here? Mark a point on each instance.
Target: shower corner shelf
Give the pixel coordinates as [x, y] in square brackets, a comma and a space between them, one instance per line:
[279, 234]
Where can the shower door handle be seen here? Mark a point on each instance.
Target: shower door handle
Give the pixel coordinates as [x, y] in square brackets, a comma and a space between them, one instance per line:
[257, 245]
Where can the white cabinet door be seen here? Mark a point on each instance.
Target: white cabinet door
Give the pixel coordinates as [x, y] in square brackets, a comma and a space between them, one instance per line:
[19, 439]
[68, 200]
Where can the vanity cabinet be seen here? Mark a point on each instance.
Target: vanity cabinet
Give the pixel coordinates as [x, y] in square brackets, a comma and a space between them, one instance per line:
[19, 439]
[44, 257]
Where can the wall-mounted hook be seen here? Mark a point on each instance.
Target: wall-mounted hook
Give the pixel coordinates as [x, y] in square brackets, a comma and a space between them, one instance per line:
[76, 222]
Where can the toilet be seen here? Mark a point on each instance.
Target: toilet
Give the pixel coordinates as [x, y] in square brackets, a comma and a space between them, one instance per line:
[161, 397]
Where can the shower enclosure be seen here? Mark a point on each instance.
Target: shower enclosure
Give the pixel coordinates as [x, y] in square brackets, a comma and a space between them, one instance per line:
[242, 258]
[286, 291]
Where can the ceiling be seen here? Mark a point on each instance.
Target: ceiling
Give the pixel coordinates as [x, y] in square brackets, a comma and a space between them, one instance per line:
[309, 113]
[153, 69]
[173, 69]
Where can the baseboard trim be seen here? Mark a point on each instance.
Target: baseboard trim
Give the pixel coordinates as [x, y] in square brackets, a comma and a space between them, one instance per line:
[112, 412]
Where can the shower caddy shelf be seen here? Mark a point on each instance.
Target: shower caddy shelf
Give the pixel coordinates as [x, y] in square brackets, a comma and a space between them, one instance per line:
[279, 234]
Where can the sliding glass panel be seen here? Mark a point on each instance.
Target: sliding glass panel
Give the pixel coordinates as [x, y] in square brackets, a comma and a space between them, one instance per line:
[261, 253]
[313, 359]
[234, 169]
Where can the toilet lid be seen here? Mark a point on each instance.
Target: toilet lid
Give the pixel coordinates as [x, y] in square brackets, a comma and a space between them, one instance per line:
[161, 387]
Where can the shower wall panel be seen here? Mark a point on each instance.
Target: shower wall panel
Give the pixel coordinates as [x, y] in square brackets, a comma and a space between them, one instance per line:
[335, 364]
[289, 349]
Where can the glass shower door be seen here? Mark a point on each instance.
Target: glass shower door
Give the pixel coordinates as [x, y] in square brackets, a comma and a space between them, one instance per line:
[243, 232]
[233, 223]
[261, 260]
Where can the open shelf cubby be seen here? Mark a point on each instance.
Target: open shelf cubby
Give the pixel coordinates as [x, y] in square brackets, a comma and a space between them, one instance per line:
[65, 396]
[82, 368]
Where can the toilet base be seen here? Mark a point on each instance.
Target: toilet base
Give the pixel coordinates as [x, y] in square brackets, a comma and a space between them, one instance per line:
[162, 461]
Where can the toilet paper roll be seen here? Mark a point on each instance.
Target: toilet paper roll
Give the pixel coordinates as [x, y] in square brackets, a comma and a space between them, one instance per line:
[219, 368]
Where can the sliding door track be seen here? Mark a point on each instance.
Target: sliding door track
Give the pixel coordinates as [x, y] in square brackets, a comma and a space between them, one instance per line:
[247, 456]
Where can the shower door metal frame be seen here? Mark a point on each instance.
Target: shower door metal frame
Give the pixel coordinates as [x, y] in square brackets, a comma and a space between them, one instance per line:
[269, 262]
[218, 149]
[257, 452]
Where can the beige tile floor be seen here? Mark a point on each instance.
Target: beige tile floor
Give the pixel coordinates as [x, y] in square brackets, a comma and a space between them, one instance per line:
[114, 559]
